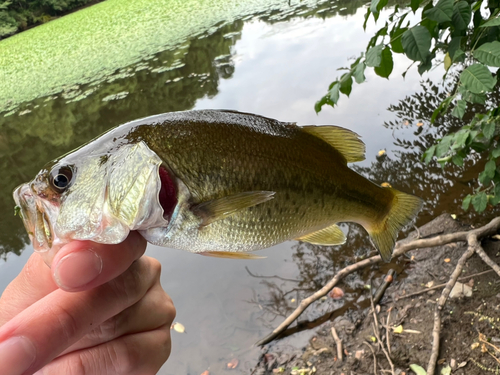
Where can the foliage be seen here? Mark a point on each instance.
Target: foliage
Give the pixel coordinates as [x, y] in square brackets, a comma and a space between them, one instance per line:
[464, 36]
[21, 14]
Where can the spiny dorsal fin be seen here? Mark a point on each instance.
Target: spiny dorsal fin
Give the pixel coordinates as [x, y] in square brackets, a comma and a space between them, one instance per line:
[328, 236]
[230, 255]
[221, 208]
[343, 140]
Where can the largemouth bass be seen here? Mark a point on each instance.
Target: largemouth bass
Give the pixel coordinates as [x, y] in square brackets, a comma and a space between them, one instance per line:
[220, 183]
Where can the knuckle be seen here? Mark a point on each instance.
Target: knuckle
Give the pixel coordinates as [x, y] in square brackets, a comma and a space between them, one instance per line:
[129, 286]
[126, 358]
[68, 326]
[106, 331]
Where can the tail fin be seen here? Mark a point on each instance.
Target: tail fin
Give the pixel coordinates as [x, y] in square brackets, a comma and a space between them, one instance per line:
[403, 209]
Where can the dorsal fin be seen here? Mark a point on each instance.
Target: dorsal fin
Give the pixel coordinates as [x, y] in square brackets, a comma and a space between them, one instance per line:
[343, 140]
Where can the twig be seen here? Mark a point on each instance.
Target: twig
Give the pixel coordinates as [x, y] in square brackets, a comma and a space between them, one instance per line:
[270, 277]
[338, 341]
[436, 287]
[377, 335]
[388, 331]
[472, 241]
[374, 358]
[399, 250]
[486, 259]
[376, 332]
[385, 284]
[375, 318]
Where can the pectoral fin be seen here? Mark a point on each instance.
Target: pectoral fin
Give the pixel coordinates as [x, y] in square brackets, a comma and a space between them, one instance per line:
[328, 236]
[230, 255]
[221, 208]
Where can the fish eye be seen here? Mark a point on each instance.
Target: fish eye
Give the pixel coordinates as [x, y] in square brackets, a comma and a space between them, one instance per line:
[61, 177]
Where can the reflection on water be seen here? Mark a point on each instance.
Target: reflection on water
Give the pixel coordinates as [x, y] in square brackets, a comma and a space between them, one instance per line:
[276, 63]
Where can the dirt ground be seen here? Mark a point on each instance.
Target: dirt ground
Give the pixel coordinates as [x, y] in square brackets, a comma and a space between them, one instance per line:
[470, 332]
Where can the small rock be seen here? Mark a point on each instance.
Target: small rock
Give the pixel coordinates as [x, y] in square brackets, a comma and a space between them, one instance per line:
[453, 363]
[461, 290]
[359, 354]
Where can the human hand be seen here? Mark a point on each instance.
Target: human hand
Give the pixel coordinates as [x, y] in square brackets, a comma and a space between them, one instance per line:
[100, 309]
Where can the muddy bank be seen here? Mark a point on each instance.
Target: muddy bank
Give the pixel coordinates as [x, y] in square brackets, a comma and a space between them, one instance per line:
[470, 332]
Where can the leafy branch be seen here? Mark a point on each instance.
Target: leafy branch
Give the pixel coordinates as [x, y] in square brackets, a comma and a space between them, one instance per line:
[459, 36]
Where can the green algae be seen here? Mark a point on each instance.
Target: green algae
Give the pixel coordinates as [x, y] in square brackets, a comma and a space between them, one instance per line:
[93, 44]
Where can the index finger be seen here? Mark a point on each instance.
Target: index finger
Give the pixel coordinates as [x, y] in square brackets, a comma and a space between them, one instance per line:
[82, 265]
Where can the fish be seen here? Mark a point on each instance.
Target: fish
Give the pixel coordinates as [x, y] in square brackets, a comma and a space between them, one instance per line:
[214, 182]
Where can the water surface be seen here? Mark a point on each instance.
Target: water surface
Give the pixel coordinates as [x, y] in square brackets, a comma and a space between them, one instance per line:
[274, 61]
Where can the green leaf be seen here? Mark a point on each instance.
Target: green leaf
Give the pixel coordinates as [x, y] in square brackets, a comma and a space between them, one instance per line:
[441, 12]
[443, 107]
[489, 129]
[478, 146]
[478, 79]
[462, 15]
[359, 73]
[459, 109]
[492, 22]
[480, 201]
[490, 168]
[461, 138]
[384, 70]
[471, 97]
[377, 5]
[396, 44]
[416, 43]
[447, 61]
[415, 4]
[346, 84]
[367, 16]
[319, 104]
[417, 369]
[444, 145]
[374, 56]
[426, 65]
[494, 200]
[459, 56]
[458, 160]
[428, 154]
[489, 54]
[334, 93]
[496, 153]
[454, 46]
[466, 202]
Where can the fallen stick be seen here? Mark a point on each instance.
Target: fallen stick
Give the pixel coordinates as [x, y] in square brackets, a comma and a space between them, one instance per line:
[473, 247]
[400, 249]
[338, 342]
[464, 278]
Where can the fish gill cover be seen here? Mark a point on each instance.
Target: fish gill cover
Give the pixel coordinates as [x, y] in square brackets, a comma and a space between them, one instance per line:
[92, 44]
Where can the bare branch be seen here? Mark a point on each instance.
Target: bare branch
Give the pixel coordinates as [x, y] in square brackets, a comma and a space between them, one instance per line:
[400, 249]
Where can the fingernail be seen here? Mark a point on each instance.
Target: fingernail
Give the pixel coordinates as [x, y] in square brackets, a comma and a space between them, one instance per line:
[17, 354]
[78, 269]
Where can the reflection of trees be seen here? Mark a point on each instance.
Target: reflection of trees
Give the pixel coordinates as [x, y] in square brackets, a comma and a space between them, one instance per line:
[172, 81]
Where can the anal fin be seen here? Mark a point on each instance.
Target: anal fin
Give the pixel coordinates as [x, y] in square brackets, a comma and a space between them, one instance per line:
[231, 255]
[328, 236]
[221, 208]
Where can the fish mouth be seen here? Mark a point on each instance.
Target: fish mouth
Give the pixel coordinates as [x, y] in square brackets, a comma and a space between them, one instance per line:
[37, 218]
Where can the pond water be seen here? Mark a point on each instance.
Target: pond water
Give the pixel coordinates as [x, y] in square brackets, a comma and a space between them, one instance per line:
[276, 61]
